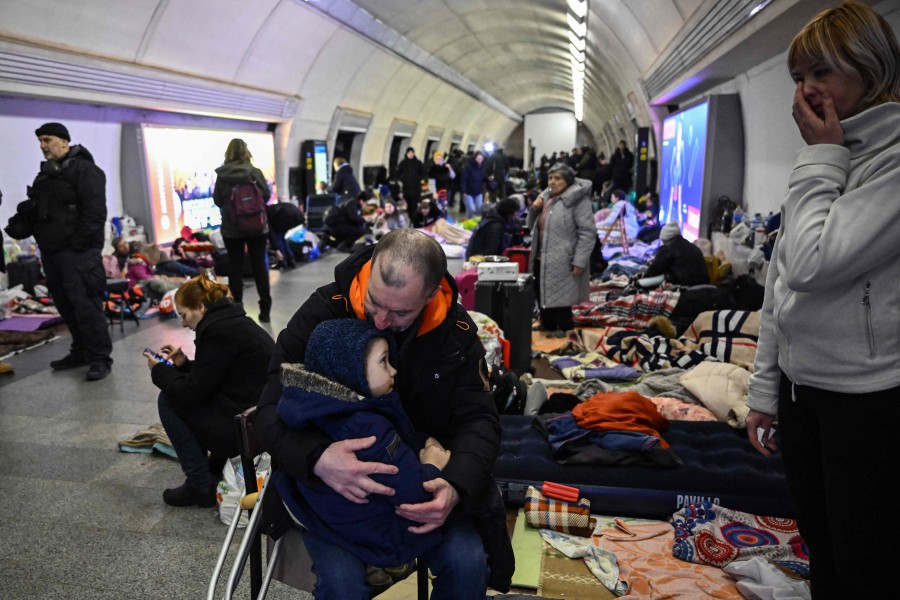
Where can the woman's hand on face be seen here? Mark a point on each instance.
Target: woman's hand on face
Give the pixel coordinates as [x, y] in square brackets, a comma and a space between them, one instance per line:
[815, 129]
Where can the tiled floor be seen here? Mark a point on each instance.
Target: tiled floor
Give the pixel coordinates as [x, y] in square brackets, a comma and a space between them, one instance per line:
[82, 520]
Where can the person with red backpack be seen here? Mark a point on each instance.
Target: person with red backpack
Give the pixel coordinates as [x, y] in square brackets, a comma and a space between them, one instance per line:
[241, 192]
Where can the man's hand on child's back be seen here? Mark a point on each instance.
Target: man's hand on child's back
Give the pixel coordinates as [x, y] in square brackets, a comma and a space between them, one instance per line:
[339, 468]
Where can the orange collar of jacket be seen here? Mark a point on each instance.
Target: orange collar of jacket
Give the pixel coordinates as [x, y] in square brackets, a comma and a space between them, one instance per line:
[434, 313]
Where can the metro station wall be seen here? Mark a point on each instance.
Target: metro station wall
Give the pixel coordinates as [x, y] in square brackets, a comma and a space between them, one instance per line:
[20, 156]
[771, 137]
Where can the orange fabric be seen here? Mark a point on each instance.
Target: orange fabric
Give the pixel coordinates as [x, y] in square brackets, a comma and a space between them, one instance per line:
[504, 345]
[647, 565]
[627, 411]
[434, 314]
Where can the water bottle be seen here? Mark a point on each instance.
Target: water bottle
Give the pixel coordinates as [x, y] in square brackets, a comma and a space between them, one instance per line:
[738, 215]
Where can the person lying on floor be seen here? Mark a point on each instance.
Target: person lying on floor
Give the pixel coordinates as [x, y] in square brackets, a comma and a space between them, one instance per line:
[346, 388]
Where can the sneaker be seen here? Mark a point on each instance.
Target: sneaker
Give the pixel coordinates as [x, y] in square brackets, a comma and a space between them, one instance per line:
[98, 371]
[378, 580]
[402, 572]
[188, 494]
[70, 361]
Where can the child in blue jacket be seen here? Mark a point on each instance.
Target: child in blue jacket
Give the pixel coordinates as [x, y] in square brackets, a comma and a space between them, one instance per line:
[345, 388]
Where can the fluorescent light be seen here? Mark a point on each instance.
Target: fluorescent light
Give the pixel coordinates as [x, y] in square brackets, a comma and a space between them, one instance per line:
[579, 27]
[577, 41]
[578, 8]
[577, 20]
[579, 56]
[759, 7]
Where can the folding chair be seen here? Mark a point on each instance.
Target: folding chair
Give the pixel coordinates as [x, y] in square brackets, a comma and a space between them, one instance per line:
[251, 544]
[115, 305]
[618, 224]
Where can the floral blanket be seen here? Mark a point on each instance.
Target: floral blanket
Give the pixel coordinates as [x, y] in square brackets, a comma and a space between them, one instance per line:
[706, 533]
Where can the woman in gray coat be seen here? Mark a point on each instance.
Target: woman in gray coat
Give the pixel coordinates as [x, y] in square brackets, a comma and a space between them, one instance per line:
[563, 237]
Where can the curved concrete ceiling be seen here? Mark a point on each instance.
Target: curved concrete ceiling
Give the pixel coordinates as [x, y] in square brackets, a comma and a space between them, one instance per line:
[470, 66]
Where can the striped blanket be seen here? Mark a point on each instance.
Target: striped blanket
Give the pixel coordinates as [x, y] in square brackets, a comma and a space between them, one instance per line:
[724, 335]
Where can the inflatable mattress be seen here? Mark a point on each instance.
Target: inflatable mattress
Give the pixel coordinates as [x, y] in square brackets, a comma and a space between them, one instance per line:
[720, 465]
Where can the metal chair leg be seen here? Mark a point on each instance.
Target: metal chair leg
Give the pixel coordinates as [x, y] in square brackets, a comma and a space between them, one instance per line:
[422, 579]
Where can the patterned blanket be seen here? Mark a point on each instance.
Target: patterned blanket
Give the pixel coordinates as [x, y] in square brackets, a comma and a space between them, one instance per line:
[634, 311]
[724, 335]
[706, 533]
[727, 335]
[592, 365]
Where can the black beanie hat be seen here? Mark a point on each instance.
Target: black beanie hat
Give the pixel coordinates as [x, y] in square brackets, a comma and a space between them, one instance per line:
[337, 350]
[57, 129]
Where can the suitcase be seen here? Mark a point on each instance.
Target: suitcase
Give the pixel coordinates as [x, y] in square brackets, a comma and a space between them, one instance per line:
[511, 305]
[519, 255]
[25, 271]
[465, 282]
[316, 207]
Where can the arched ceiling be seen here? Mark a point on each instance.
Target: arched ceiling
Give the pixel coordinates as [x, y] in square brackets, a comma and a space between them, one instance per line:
[498, 59]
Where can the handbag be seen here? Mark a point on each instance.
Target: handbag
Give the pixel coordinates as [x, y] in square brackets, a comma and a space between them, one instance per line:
[566, 517]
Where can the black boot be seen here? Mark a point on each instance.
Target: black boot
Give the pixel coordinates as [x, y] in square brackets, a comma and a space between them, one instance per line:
[189, 494]
[265, 308]
[69, 361]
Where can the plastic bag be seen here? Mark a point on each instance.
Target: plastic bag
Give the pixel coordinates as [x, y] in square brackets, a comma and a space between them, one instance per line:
[230, 489]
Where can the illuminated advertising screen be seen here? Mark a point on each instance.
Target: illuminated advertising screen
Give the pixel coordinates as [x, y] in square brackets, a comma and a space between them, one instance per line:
[681, 169]
[320, 162]
[181, 166]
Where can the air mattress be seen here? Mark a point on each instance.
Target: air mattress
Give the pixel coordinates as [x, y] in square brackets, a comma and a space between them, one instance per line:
[720, 465]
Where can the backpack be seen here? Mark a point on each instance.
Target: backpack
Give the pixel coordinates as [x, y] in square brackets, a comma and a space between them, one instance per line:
[508, 390]
[247, 206]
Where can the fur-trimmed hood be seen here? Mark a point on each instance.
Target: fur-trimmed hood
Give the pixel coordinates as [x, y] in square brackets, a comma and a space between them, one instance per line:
[307, 396]
[295, 375]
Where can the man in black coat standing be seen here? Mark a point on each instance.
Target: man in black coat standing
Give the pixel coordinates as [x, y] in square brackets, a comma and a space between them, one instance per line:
[66, 213]
[411, 173]
[620, 165]
[345, 184]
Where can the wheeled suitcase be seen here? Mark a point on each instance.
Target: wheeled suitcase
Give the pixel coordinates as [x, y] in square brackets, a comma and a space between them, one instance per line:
[465, 282]
[519, 255]
[511, 305]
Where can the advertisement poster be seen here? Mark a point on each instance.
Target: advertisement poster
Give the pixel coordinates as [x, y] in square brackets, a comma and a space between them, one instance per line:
[181, 167]
[681, 169]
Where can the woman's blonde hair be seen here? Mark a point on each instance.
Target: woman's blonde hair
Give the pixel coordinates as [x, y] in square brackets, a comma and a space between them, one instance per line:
[853, 37]
[237, 151]
[200, 291]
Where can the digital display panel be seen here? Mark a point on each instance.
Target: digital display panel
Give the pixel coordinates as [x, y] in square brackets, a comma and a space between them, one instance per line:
[181, 166]
[681, 169]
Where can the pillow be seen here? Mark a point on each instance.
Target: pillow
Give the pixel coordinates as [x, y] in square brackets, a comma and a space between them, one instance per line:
[722, 388]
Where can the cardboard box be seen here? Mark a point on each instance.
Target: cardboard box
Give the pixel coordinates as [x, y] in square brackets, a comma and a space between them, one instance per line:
[498, 271]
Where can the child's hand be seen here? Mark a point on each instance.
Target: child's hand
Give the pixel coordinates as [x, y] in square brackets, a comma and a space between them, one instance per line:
[434, 454]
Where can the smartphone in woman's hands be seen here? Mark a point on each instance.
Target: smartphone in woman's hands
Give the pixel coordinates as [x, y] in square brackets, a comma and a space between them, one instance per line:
[157, 356]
